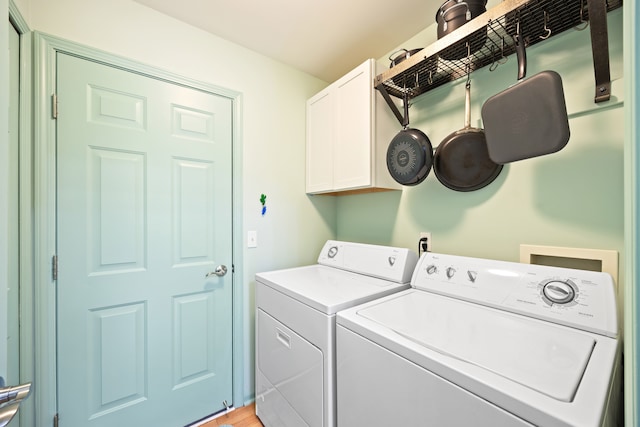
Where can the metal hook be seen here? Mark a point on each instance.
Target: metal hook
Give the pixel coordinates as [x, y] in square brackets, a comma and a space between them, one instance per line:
[494, 63]
[468, 63]
[502, 60]
[405, 99]
[502, 57]
[546, 28]
[582, 20]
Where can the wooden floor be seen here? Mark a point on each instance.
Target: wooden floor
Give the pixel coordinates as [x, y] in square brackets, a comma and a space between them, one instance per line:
[241, 417]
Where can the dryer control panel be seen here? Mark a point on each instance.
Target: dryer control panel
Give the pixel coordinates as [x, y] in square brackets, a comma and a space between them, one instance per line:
[576, 298]
[384, 262]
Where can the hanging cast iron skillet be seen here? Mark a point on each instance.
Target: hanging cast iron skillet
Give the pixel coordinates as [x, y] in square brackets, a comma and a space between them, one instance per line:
[410, 154]
[528, 119]
[461, 161]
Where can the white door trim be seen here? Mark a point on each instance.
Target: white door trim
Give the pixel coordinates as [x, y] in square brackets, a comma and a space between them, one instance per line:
[632, 216]
[26, 288]
[44, 231]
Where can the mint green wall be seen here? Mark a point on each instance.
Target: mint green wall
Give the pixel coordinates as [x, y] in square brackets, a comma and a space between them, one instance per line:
[573, 198]
[270, 135]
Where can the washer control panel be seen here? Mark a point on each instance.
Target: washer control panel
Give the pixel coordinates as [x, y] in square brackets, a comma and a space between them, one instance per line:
[576, 298]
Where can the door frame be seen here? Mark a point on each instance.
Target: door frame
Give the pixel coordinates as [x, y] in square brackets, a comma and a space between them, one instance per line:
[631, 52]
[46, 48]
[26, 204]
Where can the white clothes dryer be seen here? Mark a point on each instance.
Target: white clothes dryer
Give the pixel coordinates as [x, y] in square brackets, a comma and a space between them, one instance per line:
[295, 326]
[478, 342]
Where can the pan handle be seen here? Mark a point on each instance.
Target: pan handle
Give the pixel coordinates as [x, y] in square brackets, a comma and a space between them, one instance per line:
[443, 13]
[405, 106]
[521, 54]
[393, 55]
[467, 105]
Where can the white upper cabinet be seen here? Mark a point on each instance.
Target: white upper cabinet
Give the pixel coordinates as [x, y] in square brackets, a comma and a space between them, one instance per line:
[349, 127]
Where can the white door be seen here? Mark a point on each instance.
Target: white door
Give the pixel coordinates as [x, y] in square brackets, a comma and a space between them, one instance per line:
[143, 218]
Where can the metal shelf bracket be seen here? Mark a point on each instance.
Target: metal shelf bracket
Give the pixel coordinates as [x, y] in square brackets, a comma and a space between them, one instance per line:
[600, 48]
[403, 119]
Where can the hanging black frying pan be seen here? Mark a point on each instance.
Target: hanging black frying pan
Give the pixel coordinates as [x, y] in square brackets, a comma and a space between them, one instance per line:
[528, 119]
[410, 154]
[461, 161]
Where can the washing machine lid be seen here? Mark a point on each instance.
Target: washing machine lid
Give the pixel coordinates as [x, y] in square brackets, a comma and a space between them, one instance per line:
[542, 356]
[328, 289]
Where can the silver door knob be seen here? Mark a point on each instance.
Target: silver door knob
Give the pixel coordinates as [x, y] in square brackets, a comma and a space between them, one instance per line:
[10, 399]
[220, 271]
[15, 393]
[7, 412]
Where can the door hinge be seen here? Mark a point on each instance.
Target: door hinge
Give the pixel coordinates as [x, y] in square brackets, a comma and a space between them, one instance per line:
[233, 268]
[54, 106]
[55, 420]
[54, 267]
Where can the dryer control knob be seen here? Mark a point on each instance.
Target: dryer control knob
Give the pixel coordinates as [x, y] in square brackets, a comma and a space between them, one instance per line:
[559, 292]
[431, 269]
[333, 251]
[473, 275]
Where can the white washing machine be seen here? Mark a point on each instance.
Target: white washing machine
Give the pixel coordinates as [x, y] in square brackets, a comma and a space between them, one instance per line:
[295, 326]
[477, 342]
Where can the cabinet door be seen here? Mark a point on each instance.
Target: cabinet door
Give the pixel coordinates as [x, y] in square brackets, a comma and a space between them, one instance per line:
[353, 143]
[320, 134]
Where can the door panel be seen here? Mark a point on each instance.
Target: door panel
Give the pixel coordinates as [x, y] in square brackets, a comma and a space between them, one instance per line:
[144, 213]
[117, 373]
[117, 218]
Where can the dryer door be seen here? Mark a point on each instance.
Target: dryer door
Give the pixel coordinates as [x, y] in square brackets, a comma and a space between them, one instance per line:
[292, 368]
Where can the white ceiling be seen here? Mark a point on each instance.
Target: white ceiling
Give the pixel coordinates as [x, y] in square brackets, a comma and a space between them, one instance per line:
[325, 38]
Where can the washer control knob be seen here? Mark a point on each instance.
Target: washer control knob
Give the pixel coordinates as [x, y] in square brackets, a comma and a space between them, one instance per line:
[450, 272]
[432, 269]
[559, 292]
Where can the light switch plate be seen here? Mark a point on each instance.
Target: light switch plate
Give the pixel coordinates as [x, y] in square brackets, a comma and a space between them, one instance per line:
[252, 239]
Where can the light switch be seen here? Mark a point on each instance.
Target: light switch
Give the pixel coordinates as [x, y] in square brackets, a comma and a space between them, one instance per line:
[252, 239]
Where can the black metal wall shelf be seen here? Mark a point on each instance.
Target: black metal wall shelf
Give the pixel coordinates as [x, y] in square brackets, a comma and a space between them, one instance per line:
[539, 20]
